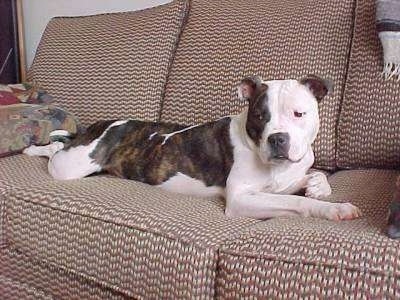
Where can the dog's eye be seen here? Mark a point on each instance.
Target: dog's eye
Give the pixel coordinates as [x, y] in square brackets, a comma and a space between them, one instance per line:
[299, 114]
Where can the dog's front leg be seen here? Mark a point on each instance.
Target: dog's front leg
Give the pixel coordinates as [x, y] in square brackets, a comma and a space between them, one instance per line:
[317, 185]
[261, 205]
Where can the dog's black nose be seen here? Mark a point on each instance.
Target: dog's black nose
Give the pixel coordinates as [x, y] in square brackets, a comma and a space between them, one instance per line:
[278, 139]
[279, 143]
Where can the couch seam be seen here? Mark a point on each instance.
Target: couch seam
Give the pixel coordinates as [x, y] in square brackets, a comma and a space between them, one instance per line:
[203, 248]
[43, 263]
[25, 286]
[273, 257]
[217, 272]
[184, 21]
[346, 77]
[219, 250]
[4, 191]
[145, 9]
[130, 226]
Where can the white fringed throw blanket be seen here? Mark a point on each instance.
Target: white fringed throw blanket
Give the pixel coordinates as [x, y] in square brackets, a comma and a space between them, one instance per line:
[388, 26]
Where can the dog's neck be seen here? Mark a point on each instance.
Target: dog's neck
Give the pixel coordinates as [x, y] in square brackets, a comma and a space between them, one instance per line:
[241, 120]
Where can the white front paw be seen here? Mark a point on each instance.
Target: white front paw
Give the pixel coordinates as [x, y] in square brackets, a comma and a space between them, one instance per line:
[340, 211]
[31, 150]
[317, 186]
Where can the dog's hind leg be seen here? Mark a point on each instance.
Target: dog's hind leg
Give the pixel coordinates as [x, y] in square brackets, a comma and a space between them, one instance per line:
[47, 151]
[74, 163]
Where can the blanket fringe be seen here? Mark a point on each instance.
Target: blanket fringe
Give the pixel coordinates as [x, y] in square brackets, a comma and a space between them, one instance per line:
[391, 70]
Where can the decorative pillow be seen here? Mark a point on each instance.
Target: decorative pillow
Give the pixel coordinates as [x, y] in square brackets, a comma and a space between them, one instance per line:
[23, 93]
[118, 61]
[22, 125]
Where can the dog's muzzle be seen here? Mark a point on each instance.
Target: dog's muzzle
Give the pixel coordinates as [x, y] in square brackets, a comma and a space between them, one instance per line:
[279, 144]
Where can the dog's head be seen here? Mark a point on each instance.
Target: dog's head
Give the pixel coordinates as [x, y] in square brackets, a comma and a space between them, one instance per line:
[282, 118]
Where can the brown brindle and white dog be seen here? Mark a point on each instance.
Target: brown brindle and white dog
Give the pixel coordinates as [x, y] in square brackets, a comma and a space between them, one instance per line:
[257, 160]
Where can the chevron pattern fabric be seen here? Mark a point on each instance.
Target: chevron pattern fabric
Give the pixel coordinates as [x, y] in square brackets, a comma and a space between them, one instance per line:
[11, 290]
[24, 278]
[22, 170]
[227, 40]
[137, 239]
[369, 127]
[108, 237]
[19, 170]
[112, 65]
[298, 258]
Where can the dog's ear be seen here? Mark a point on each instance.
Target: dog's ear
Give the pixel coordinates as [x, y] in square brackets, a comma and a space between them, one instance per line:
[319, 87]
[248, 87]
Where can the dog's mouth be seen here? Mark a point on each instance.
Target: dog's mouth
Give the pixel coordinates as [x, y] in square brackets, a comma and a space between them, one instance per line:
[284, 158]
[280, 157]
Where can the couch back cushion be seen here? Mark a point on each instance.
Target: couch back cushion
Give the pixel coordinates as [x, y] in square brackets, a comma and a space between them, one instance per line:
[111, 65]
[369, 125]
[226, 40]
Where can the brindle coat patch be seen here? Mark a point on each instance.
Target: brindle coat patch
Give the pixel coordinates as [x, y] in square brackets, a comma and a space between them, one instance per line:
[204, 152]
[92, 132]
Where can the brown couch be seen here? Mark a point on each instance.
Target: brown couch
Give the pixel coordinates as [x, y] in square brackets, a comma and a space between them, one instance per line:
[107, 238]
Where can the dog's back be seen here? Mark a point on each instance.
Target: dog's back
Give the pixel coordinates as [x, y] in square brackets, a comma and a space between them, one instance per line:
[148, 152]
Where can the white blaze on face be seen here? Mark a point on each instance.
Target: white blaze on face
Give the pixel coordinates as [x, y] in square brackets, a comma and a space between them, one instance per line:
[294, 110]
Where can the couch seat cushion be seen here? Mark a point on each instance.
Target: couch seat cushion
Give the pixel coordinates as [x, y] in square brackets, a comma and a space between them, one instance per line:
[110, 65]
[125, 234]
[25, 278]
[13, 290]
[369, 126]
[291, 258]
[21, 170]
[226, 40]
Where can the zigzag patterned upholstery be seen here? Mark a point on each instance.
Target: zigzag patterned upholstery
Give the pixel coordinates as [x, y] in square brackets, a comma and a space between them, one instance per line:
[298, 258]
[19, 170]
[369, 126]
[126, 236]
[226, 40]
[112, 65]
[107, 238]
[27, 278]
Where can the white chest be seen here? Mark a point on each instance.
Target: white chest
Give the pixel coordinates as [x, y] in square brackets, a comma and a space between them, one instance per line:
[250, 174]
